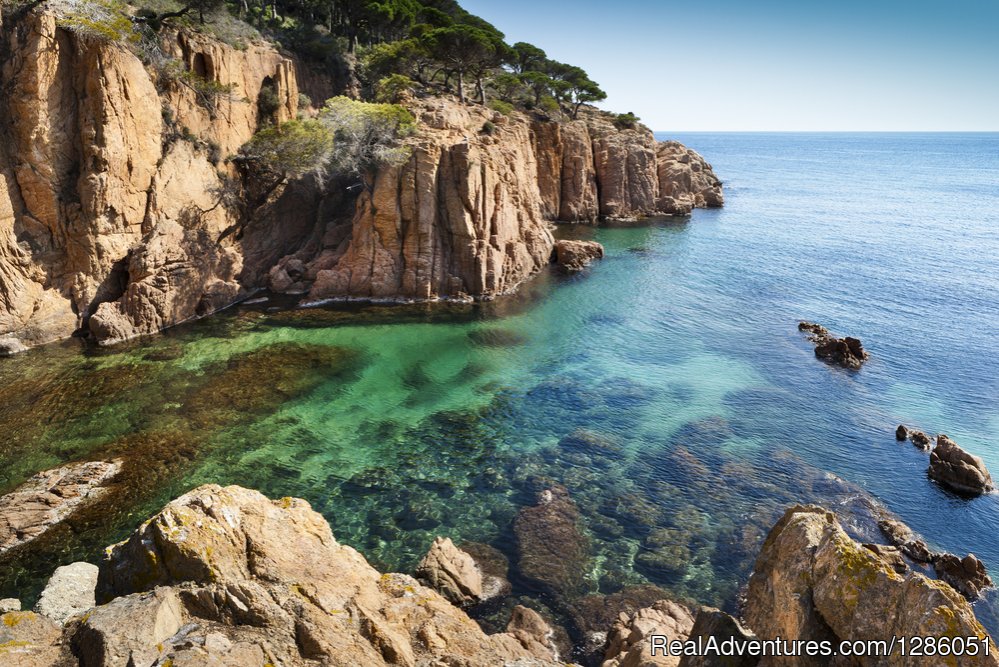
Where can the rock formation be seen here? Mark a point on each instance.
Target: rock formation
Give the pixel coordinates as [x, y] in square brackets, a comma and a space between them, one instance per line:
[50, 497]
[846, 352]
[226, 576]
[812, 581]
[113, 219]
[452, 573]
[70, 591]
[715, 623]
[918, 438]
[572, 256]
[629, 641]
[958, 470]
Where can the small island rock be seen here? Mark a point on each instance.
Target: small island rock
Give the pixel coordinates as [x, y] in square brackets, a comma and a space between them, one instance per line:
[957, 469]
[847, 352]
[572, 256]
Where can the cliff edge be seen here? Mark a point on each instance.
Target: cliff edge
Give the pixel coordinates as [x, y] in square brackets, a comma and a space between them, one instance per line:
[118, 200]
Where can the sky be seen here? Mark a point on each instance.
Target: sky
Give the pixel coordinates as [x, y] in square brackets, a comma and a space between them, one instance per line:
[775, 65]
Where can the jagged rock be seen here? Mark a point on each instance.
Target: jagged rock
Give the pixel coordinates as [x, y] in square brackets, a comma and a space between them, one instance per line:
[902, 537]
[50, 497]
[890, 555]
[957, 469]
[921, 440]
[494, 567]
[711, 622]
[533, 632]
[847, 352]
[628, 642]
[594, 614]
[553, 551]
[9, 604]
[572, 256]
[70, 591]
[226, 576]
[452, 573]
[111, 225]
[813, 582]
[30, 640]
[967, 575]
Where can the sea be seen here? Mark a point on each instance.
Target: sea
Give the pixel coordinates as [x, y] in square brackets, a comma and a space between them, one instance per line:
[667, 387]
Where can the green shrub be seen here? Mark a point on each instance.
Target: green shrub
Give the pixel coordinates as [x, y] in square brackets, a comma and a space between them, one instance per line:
[291, 149]
[488, 127]
[502, 107]
[394, 88]
[367, 135]
[549, 105]
[304, 101]
[106, 20]
[625, 121]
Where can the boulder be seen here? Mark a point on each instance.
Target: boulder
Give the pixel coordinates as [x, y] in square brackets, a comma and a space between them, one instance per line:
[533, 632]
[967, 575]
[452, 573]
[70, 591]
[572, 256]
[711, 622]
[30, 640]
[813, 582]
[958, 470]
[9, 604]
[50, 497]
[553, 551]
[901, 433]
[846, 352]
[629, 640]
[226, 576]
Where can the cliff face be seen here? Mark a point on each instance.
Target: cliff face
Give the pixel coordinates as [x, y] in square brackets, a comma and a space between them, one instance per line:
[113, 220]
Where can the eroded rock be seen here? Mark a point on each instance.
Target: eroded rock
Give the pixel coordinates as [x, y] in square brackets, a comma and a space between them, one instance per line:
[452, 573]
[846, 352]
[70, 591]
[628, 643]
[812, 581]
[50, 497]
[28, 639]
[958, 470]
[573, 256]
[226, 575]
[711, 622]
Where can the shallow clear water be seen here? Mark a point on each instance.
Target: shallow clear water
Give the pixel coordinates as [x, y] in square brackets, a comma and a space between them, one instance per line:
[705, 412]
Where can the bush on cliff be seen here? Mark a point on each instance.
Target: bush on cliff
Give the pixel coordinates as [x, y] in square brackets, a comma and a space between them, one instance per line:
[294, 148]
[366, 134]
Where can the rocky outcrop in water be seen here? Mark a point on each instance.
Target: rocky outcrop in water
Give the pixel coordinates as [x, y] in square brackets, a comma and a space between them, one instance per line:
[846, 352]
[113, 220]
[49, 497]
[573, 256]
[958, 470]
[812, 581]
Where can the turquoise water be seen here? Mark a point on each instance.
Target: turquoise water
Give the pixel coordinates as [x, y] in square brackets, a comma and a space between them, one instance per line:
[667, 387]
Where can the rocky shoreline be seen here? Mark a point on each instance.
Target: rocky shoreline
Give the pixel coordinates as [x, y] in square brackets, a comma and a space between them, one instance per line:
[225, 576]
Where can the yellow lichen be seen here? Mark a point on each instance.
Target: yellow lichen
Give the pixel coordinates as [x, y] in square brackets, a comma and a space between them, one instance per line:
[12, 618]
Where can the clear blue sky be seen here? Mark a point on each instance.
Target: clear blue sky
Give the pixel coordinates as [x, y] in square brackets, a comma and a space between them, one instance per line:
[787, 65]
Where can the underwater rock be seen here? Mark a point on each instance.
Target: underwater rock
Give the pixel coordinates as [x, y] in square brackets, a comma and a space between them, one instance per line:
[572, 256]
[497, 338]
[591, 445]
[847, 352]
[50, 497]
[711, 622]
[70, 591]
[958, 470]
[553, 551]
[493, 565]
[665, 555]
[813, 582]
[628, 640]
[452, 573]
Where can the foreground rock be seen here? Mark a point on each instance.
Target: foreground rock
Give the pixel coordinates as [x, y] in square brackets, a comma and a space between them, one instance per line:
[452, 573]
[846, 352]
[70, 591]
[715, 623]
[629, 640]
[226, 576]
[813, 582]
[30, 640]
[958, 470]
[572, 256]
[553, 551]
[50, 497]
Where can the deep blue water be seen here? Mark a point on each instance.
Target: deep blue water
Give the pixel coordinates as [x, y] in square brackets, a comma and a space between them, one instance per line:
[678, 354]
